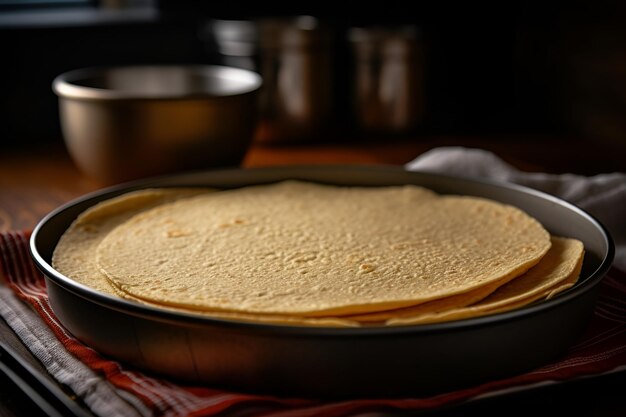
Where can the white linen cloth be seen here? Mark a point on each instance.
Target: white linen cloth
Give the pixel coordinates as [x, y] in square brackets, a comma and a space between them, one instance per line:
[602, 195]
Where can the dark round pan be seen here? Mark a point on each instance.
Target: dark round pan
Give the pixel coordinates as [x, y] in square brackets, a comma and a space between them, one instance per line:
[331, 362]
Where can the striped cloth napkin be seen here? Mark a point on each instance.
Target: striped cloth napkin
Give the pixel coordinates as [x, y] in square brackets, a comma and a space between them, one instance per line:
[111, 389]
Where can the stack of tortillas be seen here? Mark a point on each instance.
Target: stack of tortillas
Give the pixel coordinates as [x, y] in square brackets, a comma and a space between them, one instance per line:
[308, 254]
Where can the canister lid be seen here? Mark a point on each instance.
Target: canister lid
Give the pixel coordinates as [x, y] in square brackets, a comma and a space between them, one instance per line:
[246, 37]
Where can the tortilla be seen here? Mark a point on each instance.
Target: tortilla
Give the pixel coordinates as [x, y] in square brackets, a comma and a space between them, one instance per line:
[74, 255]
[304, 249]
[556, 272]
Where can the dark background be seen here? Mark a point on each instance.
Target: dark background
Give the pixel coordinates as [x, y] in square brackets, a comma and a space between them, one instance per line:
[496, 68]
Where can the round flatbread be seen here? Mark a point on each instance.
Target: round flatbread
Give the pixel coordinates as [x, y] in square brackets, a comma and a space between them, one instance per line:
[304, 249]
[75, 254]
[557, 271]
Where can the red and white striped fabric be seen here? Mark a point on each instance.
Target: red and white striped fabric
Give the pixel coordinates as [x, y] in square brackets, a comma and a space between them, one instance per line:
[601, 350]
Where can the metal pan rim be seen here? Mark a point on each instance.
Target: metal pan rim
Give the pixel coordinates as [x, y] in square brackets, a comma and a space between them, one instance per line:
[191, 319]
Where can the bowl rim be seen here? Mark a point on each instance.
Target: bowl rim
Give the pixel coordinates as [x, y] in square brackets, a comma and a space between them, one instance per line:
[64, 85]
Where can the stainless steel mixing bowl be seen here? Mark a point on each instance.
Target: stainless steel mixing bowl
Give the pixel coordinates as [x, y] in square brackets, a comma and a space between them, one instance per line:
[124, 123]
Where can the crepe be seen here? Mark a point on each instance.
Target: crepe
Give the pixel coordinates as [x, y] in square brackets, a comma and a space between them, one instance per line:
[309, 250]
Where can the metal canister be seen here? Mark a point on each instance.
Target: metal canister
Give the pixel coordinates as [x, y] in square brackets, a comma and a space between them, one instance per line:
[293, 55]
[388, 79]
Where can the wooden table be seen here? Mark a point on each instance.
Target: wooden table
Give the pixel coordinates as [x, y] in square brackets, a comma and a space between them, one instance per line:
[33, 182]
